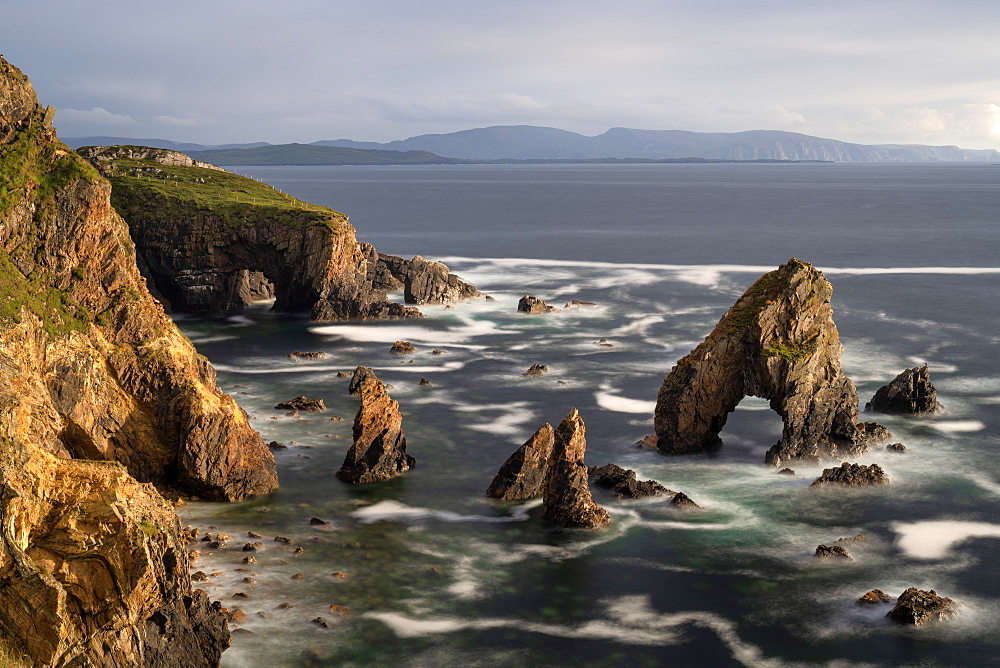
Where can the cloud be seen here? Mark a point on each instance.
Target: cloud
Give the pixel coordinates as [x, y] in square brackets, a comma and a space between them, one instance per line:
[94, 116]
[187, 120]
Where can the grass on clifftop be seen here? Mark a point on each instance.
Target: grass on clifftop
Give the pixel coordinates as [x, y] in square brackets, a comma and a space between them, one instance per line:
[236, 199]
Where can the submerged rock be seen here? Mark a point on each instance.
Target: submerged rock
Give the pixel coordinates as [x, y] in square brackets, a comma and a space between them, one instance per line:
[873, 598]
[379, 449]
[919, 607]
[896, 447]
[832, 551]
[530, 304]
[778, 342]
[536, 370]
[522, 476]
[623, 482]
[302, 404]
[566, 500]
[682, 500]
[910, 393]
[853, 475]
[402, 348]
[305, 356]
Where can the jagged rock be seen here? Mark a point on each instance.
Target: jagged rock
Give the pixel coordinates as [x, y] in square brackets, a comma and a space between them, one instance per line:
[425, 383]
[566, 499]
[832, 551]
[873, 598]
[911, 393]
[379, 449]
[522, 476]
[101, 398]
[896, 447]
[778, 342]
[919, 607]
[424, 281]
[786, 471]
[536, 370]
[277, 445]
[530, 304]
[402, 348]
[682, 500]
[623, 482]
[853, 540]
[302, 404]
[305, 356]
[853, 475]
[361, 373]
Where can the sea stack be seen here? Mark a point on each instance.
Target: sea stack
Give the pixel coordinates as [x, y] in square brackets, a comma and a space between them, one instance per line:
[910, 393]
[522, 476]
[778, 342]
[566, 500]
[379, 449]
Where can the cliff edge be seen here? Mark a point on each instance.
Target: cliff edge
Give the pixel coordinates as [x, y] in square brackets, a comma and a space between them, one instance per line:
[102, 401]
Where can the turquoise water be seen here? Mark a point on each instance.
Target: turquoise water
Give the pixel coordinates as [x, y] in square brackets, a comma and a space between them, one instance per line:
[433, 573]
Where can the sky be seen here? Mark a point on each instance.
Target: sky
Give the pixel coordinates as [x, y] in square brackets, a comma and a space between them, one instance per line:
[224, 71]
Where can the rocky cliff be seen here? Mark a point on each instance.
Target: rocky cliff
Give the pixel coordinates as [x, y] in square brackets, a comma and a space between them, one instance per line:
[778, 342]
[102, 402]
[211, 241]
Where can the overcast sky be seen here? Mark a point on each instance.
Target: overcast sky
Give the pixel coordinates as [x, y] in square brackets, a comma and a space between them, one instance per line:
[219, 71]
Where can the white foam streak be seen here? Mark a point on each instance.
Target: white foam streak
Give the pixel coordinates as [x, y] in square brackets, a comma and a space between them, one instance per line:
[299, 368]
[607, 400]
[396, 511]
[934, 539]
[958, 426]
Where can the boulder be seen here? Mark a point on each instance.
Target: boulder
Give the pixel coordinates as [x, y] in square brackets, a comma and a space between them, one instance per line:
[910, 393]
[530, 304]
[778, 342]
[919, 607]
[566, 499]
[536, 370]
[302, 404]
[522, 476]
[300, 356]
[896, 447]
[425, 383]
[832, 551]
[402, 348]
[853, 475]
[378, 452]
[873, 598]
[682, 500]
[623, 482]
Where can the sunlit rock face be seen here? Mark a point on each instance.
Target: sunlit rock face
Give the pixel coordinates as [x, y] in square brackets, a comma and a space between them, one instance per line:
[778, 342]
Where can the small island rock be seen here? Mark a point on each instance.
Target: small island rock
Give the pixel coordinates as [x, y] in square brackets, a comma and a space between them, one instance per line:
[522, 476]
[566, 500]
[910, 393]
[379, 449]
[531, 304]
[919, 607]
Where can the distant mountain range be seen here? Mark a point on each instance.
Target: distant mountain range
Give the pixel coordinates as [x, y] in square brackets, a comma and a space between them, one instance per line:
[527, 142]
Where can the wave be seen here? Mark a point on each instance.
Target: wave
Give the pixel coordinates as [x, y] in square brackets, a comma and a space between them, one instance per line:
[934, 539]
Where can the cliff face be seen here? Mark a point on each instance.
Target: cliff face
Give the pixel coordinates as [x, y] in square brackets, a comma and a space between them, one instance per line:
[92, 369]
[212, 241]
[778, 342]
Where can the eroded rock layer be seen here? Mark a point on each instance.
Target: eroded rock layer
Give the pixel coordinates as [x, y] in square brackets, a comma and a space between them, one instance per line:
[92, 571]
[778, 342]
[378, 452]
[566, 498]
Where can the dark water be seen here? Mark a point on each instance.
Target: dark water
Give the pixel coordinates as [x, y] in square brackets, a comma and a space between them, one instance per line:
[436, 575]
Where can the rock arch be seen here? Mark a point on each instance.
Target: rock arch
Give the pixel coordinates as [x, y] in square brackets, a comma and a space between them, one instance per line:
[778, 342]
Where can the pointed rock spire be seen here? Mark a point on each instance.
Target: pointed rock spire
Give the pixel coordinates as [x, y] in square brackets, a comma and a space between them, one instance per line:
[379, 449]
[522, 476]
[566, 499]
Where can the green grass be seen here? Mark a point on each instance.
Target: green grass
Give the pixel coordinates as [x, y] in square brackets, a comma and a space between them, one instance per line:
[793, 351]
[145, 189]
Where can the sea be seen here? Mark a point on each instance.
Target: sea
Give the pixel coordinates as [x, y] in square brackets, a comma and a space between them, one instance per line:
[424, 570]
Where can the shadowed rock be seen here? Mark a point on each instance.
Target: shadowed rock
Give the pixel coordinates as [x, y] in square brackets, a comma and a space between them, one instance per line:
[300, 356]
[623, 482]
[530, 304]
[919, 607]
[566, 500]
[778, 342]
[522, 476]
[896, 447]
[424, 281]
[853, 475]
[379, 449]
[402, 348]
[832, 551]
[302, 404]
[360, 374]
[911, 393]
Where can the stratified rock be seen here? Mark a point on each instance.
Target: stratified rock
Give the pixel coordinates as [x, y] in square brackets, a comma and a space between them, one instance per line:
[910, 393]
[301, 356]
[379, 449]
[896, 447]
[832, 551]
[522, 476]
[536, 370]
[778, 342]
[402, 348]
[359, 376]
[623, 482]
[919, 607]
[530, 304]
[424, 281]
[853, 475]
[302, 404]
[873, 598]
[566, 499]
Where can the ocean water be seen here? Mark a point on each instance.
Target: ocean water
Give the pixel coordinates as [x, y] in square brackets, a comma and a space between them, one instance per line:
[432, 573]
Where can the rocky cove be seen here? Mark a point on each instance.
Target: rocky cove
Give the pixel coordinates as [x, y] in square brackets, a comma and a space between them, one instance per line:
[93, 375]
